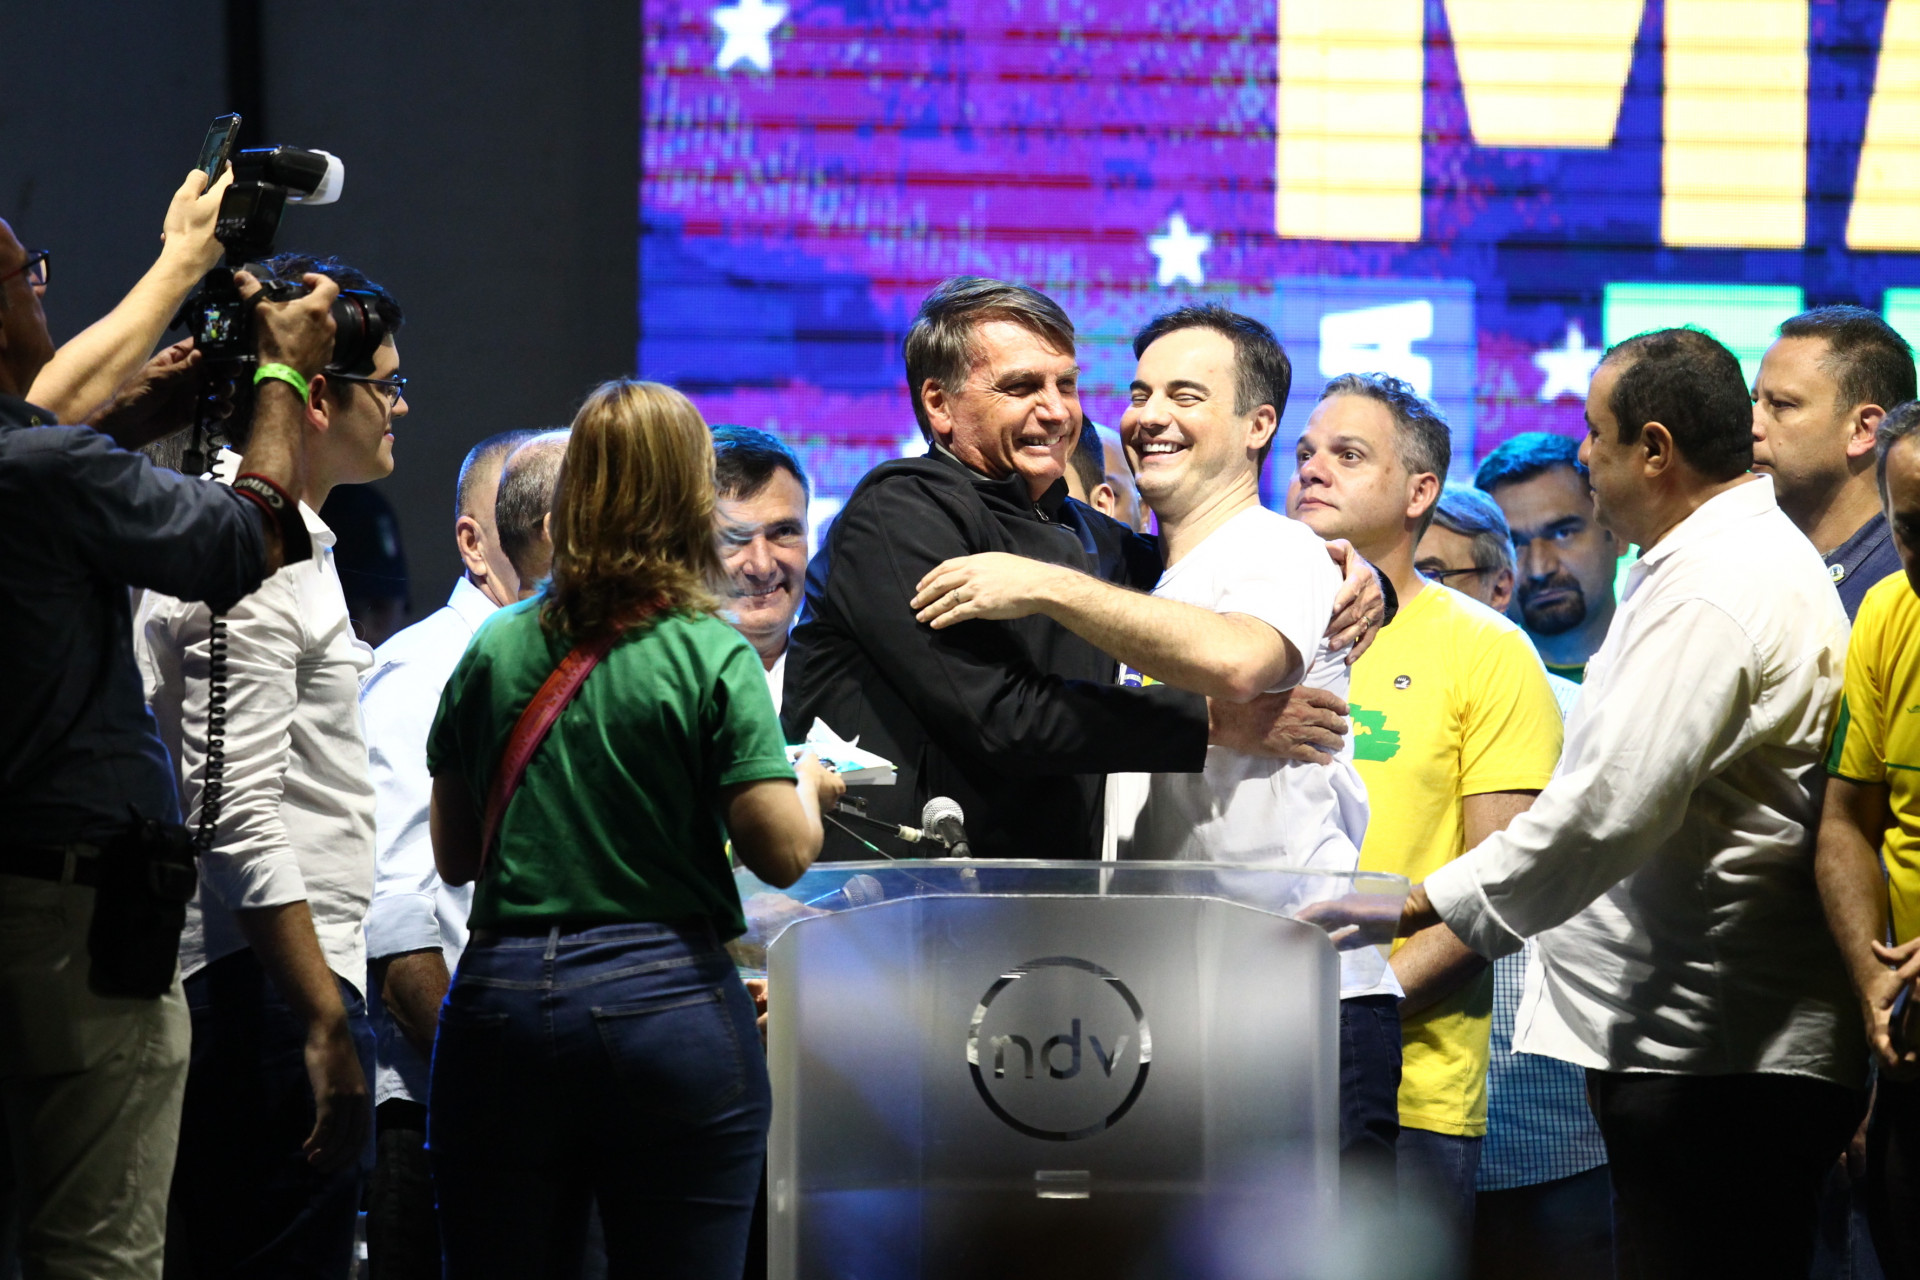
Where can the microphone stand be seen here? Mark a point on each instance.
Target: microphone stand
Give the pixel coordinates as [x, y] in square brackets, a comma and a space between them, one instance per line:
[857, 809]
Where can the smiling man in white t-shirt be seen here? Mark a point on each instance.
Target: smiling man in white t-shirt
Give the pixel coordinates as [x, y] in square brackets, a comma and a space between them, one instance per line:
[1242, 609]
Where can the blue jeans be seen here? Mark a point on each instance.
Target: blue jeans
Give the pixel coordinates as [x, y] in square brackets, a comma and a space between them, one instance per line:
[1436, 1172]
[1369, 1104]
[245, 1203]
[619, 1063]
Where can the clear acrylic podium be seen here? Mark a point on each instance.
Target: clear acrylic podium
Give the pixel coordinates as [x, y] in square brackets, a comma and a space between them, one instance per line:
[1048, 1068]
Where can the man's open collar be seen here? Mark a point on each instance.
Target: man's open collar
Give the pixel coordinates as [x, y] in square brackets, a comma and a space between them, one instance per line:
[1742, 502]
[470, 603]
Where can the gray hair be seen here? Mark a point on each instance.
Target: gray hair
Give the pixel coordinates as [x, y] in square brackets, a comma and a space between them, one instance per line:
[527, 482]
[1470, 513]
[940, 345]
[1901, 421]
[1420, 435]
[486, 456]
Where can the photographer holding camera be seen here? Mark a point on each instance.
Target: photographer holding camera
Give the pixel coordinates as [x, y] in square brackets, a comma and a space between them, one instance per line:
[93, 868]
[274, 1145]
[97, 377]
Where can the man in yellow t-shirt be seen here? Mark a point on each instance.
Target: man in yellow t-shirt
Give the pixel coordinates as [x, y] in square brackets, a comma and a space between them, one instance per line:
[1868, 858]
[1455, 731]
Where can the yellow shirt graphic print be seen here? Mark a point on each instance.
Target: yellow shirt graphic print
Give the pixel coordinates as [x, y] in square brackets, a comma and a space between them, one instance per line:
[1450, 701]
[1372, 740]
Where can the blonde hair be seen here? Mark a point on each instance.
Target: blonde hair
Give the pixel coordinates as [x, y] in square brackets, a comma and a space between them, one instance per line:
[632, 512]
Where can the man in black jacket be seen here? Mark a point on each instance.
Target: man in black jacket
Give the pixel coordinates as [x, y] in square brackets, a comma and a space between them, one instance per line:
[1020, 720]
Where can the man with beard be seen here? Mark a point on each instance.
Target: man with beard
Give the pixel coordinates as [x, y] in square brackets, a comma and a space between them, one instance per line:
[762, 515]
[1563, 595]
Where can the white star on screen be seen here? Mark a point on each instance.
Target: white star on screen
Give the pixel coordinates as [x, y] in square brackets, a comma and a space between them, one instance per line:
[1570, 368]
[1179, 252]
[748, 26]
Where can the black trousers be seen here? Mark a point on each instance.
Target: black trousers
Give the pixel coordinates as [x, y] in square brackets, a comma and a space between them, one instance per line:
[245, 1203]
[1562, 1228]
[1719, 1175]
[1893, 1177]
[403, 1238]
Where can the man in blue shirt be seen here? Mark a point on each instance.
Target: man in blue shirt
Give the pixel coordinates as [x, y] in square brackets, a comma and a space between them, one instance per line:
[90, 1084]
[1822, 390]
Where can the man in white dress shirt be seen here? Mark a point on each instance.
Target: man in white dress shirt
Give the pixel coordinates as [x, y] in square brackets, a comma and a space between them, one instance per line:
[762, 515]
[1667, 869]
[416, 925]
[273, 1137]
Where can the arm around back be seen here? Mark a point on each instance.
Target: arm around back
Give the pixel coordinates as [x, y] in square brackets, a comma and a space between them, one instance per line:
[1228, 656]
[973, 687]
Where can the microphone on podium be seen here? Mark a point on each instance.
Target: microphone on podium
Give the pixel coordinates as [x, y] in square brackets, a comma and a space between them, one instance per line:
[944, 820]
[859, 891]
[941, 823]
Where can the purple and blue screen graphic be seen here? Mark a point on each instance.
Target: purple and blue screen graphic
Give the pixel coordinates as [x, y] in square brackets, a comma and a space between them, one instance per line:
[1474, 195]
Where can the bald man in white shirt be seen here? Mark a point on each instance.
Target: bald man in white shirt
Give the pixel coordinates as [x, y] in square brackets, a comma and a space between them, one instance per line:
[1667, 869]
[416, 925]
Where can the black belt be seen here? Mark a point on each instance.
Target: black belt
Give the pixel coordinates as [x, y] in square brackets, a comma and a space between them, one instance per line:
[52, 862]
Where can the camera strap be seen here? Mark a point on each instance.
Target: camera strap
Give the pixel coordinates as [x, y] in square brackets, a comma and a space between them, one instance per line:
[538, 717]
[295, 543]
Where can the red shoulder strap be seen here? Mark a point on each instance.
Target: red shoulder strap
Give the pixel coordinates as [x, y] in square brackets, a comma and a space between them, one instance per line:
[530, 730]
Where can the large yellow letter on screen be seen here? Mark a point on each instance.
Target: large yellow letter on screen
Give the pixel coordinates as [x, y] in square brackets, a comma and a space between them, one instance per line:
[1351, 94]
[1734, 171]
[1543, 75]
[1886, 194]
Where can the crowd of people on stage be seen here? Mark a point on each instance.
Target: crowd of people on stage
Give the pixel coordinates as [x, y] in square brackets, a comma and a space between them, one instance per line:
[1632, 713]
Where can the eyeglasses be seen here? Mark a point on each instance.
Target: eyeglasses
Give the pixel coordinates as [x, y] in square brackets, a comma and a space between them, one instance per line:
[34, 269]
[1441, 575]
[388, 389]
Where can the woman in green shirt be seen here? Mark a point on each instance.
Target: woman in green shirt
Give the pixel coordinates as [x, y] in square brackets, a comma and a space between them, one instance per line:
[596, 1043]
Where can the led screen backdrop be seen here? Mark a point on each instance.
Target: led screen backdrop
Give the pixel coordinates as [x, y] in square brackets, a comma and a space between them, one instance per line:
[1475, 195]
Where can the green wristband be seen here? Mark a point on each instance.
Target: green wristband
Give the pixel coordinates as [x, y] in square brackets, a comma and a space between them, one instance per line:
[287, 374]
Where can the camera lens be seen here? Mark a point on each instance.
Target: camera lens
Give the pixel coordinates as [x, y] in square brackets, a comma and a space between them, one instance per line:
[358, 331]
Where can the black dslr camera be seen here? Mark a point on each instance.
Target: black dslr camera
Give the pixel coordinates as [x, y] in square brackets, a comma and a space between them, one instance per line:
[265, 181]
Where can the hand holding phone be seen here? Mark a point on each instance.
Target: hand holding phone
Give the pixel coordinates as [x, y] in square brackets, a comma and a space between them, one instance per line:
[189, 236]
[216, 149]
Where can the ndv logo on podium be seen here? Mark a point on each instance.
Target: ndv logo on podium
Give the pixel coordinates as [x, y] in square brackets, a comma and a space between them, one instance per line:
[1059, 1048]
